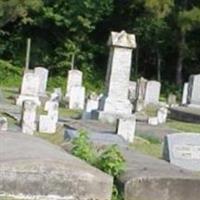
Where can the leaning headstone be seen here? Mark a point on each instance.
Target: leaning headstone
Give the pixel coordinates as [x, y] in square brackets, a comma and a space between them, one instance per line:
[193, 90]
[47, 124]
[28, 121]
[116, 100]
[183, 150]
[30, 88]
[185, 94]
[42, 73]
[74, 80]
[77, 98]
[3, 124]
[162, 115]
[152, 93]
[126, 128]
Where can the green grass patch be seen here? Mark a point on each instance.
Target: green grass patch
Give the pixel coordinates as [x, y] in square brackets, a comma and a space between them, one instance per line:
[184, 126]
[64, 112]
[153, 148]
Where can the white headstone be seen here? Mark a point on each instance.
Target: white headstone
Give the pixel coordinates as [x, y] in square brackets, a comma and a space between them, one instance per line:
[29, 117]
[42, 73]
[193, 90]
[30, 89]
[91, 105]
[126, 128]
[47, 125]
[77, 98]
[185, 94]
[153, 121]
[162, 115]
[152, 93]
[74, 80]
[3, 124]
[58, 91]
[116, 100]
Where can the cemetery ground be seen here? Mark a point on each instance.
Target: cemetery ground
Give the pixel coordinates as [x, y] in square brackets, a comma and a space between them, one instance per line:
[149, 140]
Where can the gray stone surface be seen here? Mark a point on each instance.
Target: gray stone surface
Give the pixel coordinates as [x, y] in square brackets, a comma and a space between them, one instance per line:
[183, 150]
[185, 114]
[184, 94]
[32, 166]
[147, 178]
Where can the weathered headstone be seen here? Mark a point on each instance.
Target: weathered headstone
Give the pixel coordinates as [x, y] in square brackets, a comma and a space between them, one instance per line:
[140, 93]
[126, 128]
[185, 94]
[30, 88]
[171, 100]
[47, 124]
[28, 121]
[152, 93]
[91, 105]
[74, 80]
[183, 150]
[3, 124]
[77, 98]
[132, 91]
[42, 73]
[58, 91]
[193, 90]
[162, 115]
[116, 100]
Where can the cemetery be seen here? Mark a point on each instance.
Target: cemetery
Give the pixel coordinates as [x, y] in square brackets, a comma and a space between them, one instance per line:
[66, 134]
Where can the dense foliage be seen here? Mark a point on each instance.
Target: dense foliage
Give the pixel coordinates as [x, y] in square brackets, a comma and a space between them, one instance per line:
[167, 34]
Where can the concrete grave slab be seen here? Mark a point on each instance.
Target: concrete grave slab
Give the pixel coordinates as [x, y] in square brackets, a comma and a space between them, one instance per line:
[33, 167]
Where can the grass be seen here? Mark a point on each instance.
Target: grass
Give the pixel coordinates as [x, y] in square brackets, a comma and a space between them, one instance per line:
[64, 112]
[151, 110]
[149, 146]
[56, 138]
[184, 126]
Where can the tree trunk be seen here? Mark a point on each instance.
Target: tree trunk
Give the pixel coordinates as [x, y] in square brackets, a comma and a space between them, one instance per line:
[158, 66]
[180, 59]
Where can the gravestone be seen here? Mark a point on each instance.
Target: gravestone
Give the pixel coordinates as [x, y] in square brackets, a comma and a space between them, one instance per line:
[42, 73]
[77, 98]
[115, 101]
[126, 128]
[171, 100]
[153, 121]
[91, 105]
[58, 91]
[30, 89]
[183, 150]
[152, 93]
[132, 91]
[47, 124]
[162, 115]
[3, 124]
[28, 121]
[185, 94]
[74, 80]
[140, 93]
[193, 90]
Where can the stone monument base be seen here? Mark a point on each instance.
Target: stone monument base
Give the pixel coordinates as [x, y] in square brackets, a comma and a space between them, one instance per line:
[22, 98]
[109, 117]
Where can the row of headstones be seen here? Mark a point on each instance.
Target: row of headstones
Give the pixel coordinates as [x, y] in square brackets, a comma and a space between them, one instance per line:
[47, 123]
[191, 95]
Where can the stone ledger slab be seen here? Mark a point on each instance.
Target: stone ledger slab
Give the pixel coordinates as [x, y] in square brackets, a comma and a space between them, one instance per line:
[148, 178]
[183, 150]
[32, 166]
